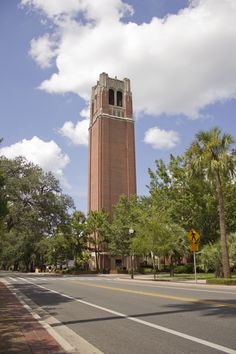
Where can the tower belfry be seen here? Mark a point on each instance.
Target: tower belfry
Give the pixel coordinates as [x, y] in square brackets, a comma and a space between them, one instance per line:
[111, 143]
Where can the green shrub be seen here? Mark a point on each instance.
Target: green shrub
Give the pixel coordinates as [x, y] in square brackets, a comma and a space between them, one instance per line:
[145, 270]
[122, 271]
[135, 272]
[65, 270]
[146, 265]
[222, 281]
[184, 269]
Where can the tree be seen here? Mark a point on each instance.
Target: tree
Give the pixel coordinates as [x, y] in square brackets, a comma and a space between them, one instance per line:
[3, 198]
[210, 258]
[36, 206]
[159, 237]
[125, 216]
[232, 249]
[79, 238]
[209, 156]
[98, 227]
[189, 202]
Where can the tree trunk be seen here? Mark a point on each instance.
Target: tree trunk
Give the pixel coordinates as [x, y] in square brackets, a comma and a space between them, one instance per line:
[171, 267]
[224, 247]
[97, 259]
[154, 265]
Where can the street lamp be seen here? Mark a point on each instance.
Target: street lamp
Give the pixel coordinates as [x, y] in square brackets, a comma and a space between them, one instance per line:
[131, 232]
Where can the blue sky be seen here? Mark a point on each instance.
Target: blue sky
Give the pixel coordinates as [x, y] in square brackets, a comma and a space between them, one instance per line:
[180, 56]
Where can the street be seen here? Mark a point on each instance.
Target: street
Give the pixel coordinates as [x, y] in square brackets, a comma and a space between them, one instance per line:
[118, 315]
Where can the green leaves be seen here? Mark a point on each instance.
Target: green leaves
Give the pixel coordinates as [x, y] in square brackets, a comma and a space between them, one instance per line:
[210, 153]
[36, 206]
[98, 228]
[125, 217]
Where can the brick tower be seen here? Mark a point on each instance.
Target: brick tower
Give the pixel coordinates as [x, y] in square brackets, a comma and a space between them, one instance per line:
[111, 143]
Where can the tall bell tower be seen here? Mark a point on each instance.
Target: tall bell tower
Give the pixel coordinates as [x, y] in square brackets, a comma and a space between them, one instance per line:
[111, 143]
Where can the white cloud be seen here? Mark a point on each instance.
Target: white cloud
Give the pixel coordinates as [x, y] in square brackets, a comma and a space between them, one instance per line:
[161, 139]
[93, 10]
[41, 50]
[47, 155]
[177, 65]
[77, 133]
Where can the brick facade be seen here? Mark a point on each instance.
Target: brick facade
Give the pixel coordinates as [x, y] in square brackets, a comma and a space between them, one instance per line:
[111, 144]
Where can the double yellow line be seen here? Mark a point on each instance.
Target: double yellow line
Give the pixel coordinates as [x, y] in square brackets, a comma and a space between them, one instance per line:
[161, 296]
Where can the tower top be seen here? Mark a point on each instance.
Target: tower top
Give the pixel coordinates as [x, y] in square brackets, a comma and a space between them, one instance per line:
[106, 81]
[111, 98]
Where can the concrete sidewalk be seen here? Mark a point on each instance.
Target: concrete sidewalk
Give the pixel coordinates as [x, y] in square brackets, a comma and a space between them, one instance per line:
[19, 331]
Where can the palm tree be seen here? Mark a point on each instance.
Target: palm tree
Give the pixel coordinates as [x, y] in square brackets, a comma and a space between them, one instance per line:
[209, 156]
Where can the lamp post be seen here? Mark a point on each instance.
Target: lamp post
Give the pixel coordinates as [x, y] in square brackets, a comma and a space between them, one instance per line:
[131, 232]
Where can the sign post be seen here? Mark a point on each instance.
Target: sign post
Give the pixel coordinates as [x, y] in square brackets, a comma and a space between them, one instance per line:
[194, 237]
[195, 266]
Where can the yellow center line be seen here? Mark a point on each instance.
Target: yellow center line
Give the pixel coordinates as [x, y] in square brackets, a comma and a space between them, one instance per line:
[170, 297]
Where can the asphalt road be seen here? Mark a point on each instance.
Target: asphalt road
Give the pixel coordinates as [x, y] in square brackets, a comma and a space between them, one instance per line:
[124, 316]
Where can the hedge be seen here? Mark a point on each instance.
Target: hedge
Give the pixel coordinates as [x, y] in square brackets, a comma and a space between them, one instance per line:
[222, 281]
[184, 269]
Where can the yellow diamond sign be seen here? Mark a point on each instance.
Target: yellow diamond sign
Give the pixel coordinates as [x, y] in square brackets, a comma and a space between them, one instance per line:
[193, 236]
[193, 247]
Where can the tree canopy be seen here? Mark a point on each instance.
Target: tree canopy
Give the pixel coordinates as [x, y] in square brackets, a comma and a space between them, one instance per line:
[36, 206]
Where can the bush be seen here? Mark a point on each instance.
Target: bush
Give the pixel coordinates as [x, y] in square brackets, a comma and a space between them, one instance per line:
[135, 272]
[122, 271]
[146, 265]
[65, 271]
[145, 270]
[222, 281]
[184, 269]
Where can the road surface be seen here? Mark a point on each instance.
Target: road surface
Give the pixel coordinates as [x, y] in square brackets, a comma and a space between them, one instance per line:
[123, 316]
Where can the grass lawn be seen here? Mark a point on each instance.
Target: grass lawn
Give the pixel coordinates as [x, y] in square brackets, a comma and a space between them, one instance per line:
[190, 276]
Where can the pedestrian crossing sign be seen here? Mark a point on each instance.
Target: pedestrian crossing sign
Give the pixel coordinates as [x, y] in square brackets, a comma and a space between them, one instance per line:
[193, 236]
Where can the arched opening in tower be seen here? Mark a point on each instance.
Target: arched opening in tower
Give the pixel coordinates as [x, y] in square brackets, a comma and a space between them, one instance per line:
[111, 97]
[119, 99]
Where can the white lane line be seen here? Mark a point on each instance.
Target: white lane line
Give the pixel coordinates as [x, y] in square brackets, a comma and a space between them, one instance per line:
[149, 324]
[12, 278]
[70, 341]
[119, 281]
[30, 278]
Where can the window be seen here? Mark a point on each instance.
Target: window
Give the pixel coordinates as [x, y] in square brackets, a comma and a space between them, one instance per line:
[119, 98]
[111, 97]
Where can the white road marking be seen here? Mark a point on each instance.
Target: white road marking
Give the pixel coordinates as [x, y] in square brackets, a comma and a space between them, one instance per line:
[149, 324]
[75, 344]
[119, 281]
[12, 278]
[30, 278]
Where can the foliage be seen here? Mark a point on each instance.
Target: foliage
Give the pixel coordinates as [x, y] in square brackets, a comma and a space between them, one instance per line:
[98, 227]
[82, 260]
[184, 268]
[159, 237]
[79, 233]
[220, 281]
[232, 250]
[3, 197]
[36, 206]
[210, 258]
[126, 214]
[209, 157]
[189, 202]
